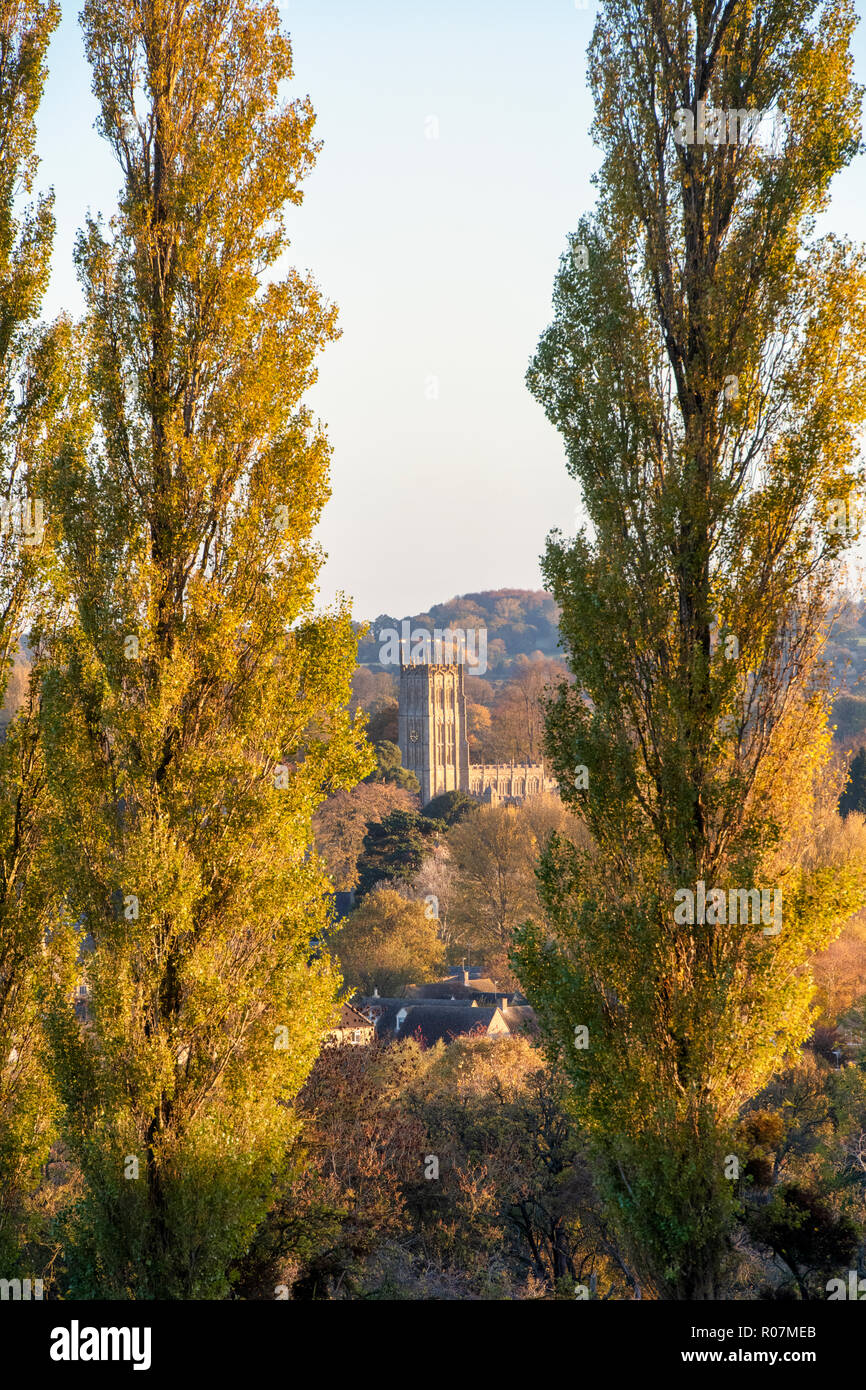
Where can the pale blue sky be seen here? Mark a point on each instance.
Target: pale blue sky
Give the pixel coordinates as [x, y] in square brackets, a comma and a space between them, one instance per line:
[440, 253]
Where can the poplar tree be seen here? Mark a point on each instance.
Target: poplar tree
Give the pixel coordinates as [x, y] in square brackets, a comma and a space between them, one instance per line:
[705, 368]
[195, 708]
[26, 233]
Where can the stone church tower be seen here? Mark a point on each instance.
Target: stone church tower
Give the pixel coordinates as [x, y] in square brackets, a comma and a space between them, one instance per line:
[431, 729]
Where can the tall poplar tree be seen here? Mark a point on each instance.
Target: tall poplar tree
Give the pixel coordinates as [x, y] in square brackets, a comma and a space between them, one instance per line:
[26, 233]
[706, 368]
[194, 715]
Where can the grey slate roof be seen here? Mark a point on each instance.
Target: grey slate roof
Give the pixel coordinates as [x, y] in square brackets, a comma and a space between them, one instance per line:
[520, 1018]
[444, 989]
[444, 1021]
[441, 1018]
[388, 1009]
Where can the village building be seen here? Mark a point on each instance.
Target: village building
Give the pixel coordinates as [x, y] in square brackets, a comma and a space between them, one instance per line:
[349, 1028]
[440, 1020]
[465, 984]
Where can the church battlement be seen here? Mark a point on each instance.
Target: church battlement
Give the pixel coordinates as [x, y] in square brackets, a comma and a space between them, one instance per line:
[439, 666]
[507, 767]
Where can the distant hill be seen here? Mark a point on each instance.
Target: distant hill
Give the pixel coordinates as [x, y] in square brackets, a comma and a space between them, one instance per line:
[846, 654]
[523, 622]
[519, 622]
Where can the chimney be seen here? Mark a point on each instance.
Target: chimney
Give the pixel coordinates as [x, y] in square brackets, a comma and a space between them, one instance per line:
[503, 1001]
[465, 976]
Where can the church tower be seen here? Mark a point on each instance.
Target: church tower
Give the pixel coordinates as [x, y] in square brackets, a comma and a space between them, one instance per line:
[432, 733]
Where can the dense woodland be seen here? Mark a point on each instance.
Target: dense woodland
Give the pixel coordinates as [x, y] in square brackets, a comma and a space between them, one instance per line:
[515, 1212]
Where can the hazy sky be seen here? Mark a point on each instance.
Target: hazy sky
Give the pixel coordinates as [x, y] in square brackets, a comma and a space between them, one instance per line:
[440, 253]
